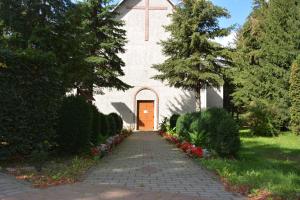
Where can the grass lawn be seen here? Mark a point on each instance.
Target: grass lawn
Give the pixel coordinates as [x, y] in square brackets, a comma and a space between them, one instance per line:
[264, 164]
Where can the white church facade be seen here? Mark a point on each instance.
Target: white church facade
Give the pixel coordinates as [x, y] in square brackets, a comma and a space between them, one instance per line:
[145, 105]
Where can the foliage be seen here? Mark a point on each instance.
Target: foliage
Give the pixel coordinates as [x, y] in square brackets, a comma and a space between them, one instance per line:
[96, 125]
[118, 122]
[173, 120]
[261, 117]
[267, 44]
[75, 125]
[164, 125]
[111, 124]
[183, 125]
[295, 96]
[194, 59]
[101, 38]
[46, 49]
[27, 113]
[220, 132]
[103, 125]
[262, 165]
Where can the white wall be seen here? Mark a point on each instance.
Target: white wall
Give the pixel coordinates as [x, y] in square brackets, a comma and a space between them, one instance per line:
[140, 55]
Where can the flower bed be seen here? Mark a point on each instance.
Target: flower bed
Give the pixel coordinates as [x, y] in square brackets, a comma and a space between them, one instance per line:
[190, 149]
[111, 142]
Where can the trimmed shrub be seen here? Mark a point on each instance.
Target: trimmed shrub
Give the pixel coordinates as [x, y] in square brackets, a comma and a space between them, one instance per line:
[183, 125]
[75, 125]
[111, 124]
[221, 132]
[263, 119]
[95, 125]
[196, 134]
[118, 123]
[173, 121]
[31, 92]
[103, 124]
[227, 140]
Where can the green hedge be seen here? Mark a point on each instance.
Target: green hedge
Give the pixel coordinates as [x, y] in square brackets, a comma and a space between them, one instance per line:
[183, 124]
[75, 125]
[30, 93]
[214, 129]
[220, 132]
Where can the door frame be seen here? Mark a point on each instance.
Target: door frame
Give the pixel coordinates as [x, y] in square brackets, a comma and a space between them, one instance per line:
[156, 107]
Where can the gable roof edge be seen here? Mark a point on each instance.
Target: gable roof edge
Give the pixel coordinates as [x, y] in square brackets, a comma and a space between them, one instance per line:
[122, 1]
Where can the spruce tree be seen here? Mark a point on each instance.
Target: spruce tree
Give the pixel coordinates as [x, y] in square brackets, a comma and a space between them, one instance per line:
[194, 60]
[267, 44]
[295, 96]
[104, 40]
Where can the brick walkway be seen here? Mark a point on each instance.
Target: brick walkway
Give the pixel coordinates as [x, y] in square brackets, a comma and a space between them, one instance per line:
[144, 167]
[9, 186]
[147, 162]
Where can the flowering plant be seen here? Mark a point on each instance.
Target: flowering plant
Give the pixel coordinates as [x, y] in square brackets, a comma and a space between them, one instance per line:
[95, 151]
[197, 152]
[185, 146]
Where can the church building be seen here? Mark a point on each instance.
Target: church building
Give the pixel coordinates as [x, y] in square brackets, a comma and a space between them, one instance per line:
[145, 105]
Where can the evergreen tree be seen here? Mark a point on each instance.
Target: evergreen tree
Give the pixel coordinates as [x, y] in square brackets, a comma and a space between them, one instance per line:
[295, 96]
[30, 73]
[194, 60]
[104, 40]
[266, 46]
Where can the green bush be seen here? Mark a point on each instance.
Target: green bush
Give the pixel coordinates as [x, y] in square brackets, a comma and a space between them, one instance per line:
[164, 125]
[263, 118]
[173, 120]
[30, 93]
[220, 132]
[116, 123]
[196, 134]
[111, 124]
[95, 134]
[75, 125]
[183, 125]
[103, 125]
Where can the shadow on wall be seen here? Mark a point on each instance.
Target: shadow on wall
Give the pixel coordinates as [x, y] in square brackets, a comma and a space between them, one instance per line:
[125, 112]
[214, 98]
[182, 104]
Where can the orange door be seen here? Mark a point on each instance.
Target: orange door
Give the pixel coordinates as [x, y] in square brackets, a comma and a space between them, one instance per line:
[145, 115]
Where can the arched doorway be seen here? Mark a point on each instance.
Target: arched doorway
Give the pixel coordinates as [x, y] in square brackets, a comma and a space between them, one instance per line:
[146, 105]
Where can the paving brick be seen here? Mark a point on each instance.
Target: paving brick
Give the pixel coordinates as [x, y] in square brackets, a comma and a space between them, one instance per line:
[150, 163]
[9, 186]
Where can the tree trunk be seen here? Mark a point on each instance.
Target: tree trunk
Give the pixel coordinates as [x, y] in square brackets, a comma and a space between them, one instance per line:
[198, 100]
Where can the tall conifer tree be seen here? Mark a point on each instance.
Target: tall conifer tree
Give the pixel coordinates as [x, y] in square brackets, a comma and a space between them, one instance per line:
[267, 44]
[295, 96]
[194, 59]
[104, 40]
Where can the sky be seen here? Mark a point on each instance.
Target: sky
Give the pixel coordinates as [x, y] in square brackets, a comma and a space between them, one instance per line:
[239, 11]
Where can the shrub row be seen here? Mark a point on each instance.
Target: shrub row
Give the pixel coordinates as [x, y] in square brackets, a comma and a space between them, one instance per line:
[214, 129]
[81, 125]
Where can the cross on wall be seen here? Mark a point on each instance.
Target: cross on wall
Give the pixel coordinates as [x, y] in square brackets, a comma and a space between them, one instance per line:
[147, 8]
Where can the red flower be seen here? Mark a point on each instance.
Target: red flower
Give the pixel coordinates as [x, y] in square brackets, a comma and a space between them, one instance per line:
[185, 146]
[197, 151]
[95, 151]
